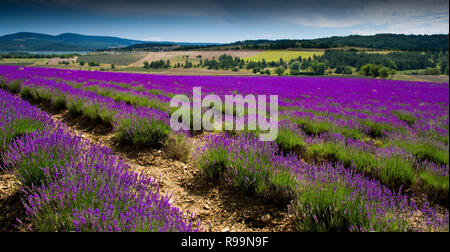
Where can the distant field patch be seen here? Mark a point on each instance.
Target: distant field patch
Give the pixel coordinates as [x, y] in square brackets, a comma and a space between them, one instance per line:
[122, 59]
[275, 55]
[24, 62]
[426, 78]
[182, 56]
[378, 52]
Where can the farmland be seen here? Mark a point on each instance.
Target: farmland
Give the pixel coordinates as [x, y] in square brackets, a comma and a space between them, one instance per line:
[22, 62]
[122, 59]
[370, 155]
[275, 55]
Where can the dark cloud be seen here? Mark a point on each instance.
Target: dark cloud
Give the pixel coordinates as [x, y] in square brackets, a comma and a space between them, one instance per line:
[242, 7]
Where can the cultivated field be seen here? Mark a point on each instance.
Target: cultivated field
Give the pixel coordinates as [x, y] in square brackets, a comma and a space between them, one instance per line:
[427, 78]
[122, 59]
[22, 62]
[275, 55]
[351, 155]
[191, 55]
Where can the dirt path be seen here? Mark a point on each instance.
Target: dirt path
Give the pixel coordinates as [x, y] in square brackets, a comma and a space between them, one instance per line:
[11, 206]
[223, 207]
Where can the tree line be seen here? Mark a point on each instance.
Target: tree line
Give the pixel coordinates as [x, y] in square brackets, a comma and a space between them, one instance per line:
[337, 61]
[437, 42]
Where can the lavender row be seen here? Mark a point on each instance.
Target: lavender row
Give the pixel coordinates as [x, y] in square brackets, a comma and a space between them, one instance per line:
[18, 117]
[71, 185]
[137, 125]
[323, 197]
[417, 165]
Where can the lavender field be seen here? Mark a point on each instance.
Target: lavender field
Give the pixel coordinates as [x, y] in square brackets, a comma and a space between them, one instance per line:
[351, 154]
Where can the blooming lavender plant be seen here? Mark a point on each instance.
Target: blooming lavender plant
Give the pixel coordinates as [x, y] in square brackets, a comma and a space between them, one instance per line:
[100, 194]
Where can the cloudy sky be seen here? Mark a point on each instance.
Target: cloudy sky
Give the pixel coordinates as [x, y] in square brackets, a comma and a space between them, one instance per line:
[224, 21]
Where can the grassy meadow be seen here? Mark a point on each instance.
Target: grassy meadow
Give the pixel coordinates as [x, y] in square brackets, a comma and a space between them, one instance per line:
[275, 55]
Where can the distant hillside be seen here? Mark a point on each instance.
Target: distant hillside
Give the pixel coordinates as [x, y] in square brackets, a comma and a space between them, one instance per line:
[380, 41]
[158, 46]
[26, 41]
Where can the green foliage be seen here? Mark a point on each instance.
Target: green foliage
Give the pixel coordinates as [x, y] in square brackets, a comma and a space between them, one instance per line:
[295, 65]
[384, 72]
[393, 171]
[254, 174]
[432, 71]
[141, 132]
[378, 129]
[279, 71]
[406, 117]
[341, 69]
[318, 68]
[327, 208]
[93, 63]
[294, 72]
[30, 164]
[17, 128]
[214, 162]
[428, 151]
[13, 86]
[289, 141]
[436, 186]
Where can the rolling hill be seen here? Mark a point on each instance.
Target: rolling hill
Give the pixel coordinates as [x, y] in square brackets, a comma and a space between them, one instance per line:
[27, 41]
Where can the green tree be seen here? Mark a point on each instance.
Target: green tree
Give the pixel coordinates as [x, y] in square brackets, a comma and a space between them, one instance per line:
[295, 65]
[384, 72]
[318, 68]
[279, 71]
[294, 72]
[392, 72]
[432, 71]
[347, 70]
[365, 70]
[93, 63]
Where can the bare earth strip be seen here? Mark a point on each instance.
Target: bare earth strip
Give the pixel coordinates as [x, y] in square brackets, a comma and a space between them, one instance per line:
[224, 208]
[154, 56]
[426, 78]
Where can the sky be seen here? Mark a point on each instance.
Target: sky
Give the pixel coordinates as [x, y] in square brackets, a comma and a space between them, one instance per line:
[224, 21]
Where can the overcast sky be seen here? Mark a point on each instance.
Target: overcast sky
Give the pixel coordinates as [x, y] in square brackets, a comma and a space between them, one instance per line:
[224, 21]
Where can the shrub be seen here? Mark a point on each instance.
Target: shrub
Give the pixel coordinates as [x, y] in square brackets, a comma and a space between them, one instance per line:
[249, 165]
[279, 71]
[32, 154]
[176, 147]
[141, 131]
[100, 194]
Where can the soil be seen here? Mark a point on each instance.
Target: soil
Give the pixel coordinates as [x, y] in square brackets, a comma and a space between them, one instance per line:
[11, 207]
